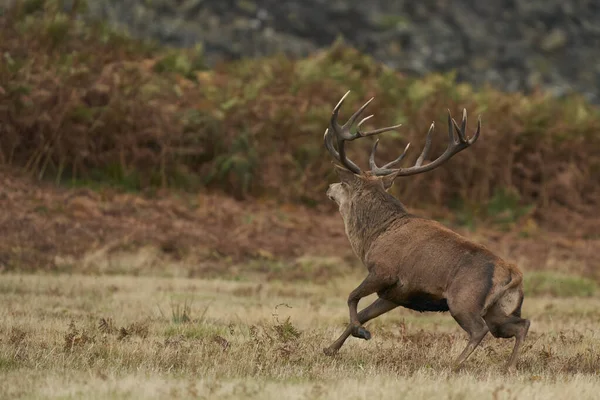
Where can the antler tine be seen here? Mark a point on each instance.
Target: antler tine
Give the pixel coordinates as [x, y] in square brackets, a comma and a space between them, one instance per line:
[375, 131]
[341, 134]
[463, 125]
[427, 146]
[362, 121]
[451, 137]
[378, 131]
[337, 107]
[355, 116]
[477, 132]
[372, 156]
[329, 145]
[381, 170]
[397, 160]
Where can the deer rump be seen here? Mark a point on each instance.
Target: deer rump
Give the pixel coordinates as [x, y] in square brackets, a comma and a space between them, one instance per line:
[436, 265]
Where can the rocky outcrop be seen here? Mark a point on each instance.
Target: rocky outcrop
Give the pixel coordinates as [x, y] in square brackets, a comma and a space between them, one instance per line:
[510, 44]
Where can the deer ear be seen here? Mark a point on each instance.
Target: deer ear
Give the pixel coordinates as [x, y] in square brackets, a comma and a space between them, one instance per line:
[388, 180]
[344, 175]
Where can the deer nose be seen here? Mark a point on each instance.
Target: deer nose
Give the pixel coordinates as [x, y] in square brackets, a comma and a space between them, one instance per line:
[328, 194]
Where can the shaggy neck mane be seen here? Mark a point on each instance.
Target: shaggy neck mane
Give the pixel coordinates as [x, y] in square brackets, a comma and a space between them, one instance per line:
[371, 211]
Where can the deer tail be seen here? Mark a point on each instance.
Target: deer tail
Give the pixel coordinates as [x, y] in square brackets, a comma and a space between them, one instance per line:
[514, 280]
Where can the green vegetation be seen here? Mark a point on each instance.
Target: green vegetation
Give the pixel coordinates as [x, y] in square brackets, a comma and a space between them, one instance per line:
[83, 104]
[558, 284]
[180, 314]
[504, 209]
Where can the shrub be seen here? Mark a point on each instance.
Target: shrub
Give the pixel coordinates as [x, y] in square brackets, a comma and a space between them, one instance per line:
[82, 103]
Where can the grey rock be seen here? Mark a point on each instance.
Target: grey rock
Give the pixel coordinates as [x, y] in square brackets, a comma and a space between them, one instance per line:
[511, 44]
[554, 40]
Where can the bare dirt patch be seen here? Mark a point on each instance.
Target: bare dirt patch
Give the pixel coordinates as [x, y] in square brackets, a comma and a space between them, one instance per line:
[44, 227]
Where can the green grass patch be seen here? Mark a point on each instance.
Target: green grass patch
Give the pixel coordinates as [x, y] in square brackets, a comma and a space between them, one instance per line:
[8, 363]
[314, 269]
[195, 330]
[557, 284]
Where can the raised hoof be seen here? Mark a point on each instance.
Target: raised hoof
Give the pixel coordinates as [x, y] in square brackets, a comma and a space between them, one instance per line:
[329, 351]
[362, 333]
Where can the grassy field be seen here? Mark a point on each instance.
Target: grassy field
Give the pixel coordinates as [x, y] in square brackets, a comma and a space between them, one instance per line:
[85, 336]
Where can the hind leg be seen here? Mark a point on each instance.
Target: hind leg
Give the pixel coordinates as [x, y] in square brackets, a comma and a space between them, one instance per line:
[503, 326]
[475, 326]
[468, 317]
[520, 328]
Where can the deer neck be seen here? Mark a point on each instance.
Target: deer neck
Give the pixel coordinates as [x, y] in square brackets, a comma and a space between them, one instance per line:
[366, 217]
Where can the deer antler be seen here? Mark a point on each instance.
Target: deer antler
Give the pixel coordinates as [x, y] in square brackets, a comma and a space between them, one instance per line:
[455, 145]
[342, 134]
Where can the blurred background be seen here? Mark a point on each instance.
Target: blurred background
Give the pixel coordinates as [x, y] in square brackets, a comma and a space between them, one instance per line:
[510, 44]
[192, 130]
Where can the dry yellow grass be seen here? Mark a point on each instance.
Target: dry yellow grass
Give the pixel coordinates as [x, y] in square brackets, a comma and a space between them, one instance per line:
[121, 337]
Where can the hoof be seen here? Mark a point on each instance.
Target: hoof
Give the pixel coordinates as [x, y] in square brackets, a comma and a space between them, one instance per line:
[362, 333]
[329, 351]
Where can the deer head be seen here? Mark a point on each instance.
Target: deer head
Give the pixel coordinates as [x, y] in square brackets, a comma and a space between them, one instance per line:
[354, 181]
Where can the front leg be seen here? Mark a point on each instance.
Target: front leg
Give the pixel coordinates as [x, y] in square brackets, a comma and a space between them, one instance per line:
[367, 287]
[372, 283]
[379, 307]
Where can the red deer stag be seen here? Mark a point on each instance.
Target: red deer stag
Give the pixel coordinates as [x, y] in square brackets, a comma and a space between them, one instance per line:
[416, 262]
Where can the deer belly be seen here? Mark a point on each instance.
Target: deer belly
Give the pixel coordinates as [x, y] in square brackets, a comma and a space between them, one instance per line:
[417, 300]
